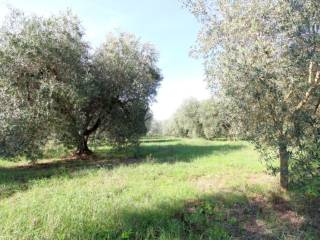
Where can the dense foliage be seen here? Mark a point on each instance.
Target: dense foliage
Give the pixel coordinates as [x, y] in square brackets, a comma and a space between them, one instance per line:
[207, 119]
[264, 56]
[53, 86]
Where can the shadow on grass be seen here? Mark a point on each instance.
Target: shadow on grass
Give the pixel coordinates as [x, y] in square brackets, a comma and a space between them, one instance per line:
[19, 178]
[182, 152]
[220, 216]
[158, 140]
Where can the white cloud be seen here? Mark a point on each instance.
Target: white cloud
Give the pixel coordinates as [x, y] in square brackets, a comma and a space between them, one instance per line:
[173, 92]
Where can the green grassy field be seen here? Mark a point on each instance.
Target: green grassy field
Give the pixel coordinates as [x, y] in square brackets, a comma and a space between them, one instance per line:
[168, 189]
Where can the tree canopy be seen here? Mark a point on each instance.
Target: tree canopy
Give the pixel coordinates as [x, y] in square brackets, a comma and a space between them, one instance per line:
[264, 57]
[53, 85]
[208, 119]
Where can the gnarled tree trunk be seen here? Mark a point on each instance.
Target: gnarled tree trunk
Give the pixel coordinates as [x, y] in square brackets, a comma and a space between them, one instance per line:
[83, 148]
[284, 166]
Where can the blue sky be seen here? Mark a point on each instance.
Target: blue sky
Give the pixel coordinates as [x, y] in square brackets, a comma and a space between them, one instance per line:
[164, 23]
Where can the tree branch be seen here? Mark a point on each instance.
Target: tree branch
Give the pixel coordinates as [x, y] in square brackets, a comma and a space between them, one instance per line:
[312, 88]
[310, 71]
[317, 106]
[87, 132]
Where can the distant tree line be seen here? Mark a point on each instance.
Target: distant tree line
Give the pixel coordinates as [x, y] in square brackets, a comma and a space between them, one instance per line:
[209, 119]
[53, 85]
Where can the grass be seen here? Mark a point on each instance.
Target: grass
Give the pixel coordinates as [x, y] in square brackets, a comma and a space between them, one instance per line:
[168, 189]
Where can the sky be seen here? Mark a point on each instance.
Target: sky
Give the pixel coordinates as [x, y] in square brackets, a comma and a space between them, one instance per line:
[164, 23]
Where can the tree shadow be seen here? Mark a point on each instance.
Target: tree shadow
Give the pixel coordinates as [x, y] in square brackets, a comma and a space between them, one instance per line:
[224, 215]
[19, 178]
[183, 152]
[158, 140]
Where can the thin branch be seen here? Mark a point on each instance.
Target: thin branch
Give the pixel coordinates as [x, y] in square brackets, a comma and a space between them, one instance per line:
[317, 106]
[314, 84]
[307, 97]
[288, 96]
[317, 77]
[310, 71]
[94, 128]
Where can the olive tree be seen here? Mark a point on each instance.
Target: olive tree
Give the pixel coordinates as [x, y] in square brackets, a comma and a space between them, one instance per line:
[185, 122]
[125, 81]
[43, 64]
[265, 57]
[52, 86]
[207, 119]
[214, 118]
[156, 128]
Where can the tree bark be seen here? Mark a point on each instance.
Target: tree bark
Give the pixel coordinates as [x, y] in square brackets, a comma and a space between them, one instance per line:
[284, 166]
[83, 148]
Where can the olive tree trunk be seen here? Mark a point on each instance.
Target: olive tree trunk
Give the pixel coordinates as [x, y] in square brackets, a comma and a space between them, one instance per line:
[83, 148]
[284, 166]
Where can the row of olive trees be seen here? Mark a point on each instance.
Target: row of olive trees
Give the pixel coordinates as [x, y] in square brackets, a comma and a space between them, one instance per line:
[264, 57]
[53, 85]
[204, 119]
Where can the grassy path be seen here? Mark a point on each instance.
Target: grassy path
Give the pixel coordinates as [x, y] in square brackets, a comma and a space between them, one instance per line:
[169, 189]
